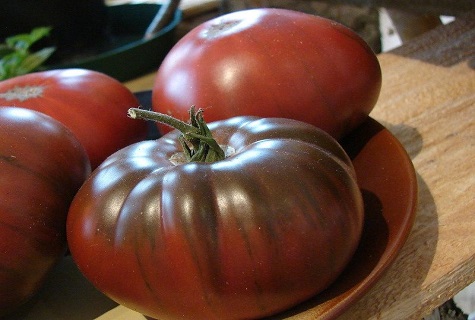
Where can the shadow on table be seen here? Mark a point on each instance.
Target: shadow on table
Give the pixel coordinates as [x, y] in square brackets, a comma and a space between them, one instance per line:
[411, 267]
[66, 295]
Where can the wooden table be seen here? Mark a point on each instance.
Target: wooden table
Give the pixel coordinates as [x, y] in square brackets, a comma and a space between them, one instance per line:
[428, 103]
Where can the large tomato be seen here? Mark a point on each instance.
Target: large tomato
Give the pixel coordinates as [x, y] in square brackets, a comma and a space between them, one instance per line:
[42, 165]
[271, 63]
[270, 225]
[91, 104]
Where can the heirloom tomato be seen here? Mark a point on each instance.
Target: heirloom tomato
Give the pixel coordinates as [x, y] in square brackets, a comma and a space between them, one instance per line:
[271, 63]
[272, 219]
[42, 166]
[91, 104]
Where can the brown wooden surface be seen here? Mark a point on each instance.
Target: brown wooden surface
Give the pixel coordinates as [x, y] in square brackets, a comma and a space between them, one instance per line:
[440, 7]
[428, 103]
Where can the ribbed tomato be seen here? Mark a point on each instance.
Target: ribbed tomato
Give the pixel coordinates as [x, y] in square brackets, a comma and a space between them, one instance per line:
[91, 104]
[270, 225]
[42, 165]
[271, 63]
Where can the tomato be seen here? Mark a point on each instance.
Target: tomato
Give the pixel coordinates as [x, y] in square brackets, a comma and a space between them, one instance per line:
[91, 104]
[271, 63]
[42, 166]
[268, 226]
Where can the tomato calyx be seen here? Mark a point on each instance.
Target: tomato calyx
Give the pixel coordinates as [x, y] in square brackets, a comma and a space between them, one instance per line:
[196, 139]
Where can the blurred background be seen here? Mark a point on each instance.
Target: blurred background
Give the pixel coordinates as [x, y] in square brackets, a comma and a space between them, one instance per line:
[103, 34]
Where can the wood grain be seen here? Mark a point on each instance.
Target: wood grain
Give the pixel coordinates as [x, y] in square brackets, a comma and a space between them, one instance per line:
[428, 102]
[438, 7]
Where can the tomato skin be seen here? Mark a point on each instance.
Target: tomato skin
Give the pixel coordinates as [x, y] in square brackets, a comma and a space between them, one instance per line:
[42, 166]
[245, 237]
[271, 63]
[91, 104]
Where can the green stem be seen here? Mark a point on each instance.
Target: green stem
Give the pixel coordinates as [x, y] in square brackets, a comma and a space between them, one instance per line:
[196, 139]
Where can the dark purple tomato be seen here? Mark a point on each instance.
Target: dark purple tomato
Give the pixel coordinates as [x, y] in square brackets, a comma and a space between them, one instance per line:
[267, 227]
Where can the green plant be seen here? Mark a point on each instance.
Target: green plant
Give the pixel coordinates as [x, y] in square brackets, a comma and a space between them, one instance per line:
[16, 57]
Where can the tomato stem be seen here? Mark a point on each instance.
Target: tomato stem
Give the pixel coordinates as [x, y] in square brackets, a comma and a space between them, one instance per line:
[196, 138]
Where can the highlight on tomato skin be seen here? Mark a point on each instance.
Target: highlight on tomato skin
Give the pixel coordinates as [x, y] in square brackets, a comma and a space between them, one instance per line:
[91, 104]
[42, 166]
[256, 233]
[271, 63]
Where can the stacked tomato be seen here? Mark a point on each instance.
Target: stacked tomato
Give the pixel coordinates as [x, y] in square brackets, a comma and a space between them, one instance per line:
[250, 214]
[53, 126]
[91, 104]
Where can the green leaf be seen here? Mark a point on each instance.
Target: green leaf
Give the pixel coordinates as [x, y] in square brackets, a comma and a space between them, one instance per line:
[5, 50]
[34, 60]
[8, 65]
[39, 33]
[25, 40]
[15, 56]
